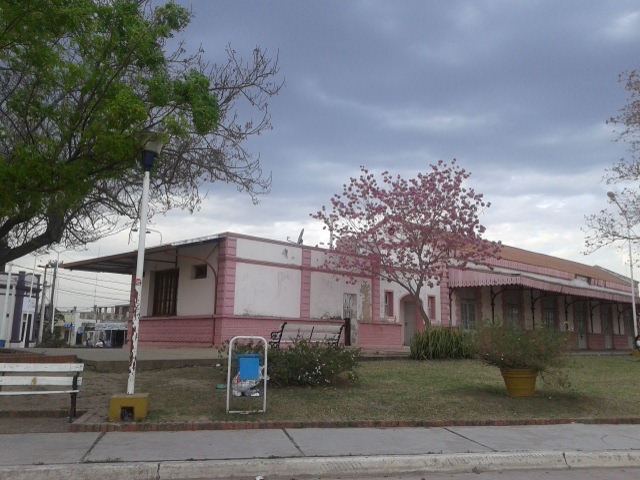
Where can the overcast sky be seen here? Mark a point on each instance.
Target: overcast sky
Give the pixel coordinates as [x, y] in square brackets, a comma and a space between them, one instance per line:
[518, 92]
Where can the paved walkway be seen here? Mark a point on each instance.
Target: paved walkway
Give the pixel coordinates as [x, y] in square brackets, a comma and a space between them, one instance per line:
[287, 453]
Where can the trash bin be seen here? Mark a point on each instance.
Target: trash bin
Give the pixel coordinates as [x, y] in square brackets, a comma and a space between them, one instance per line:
[247, 377]
[1, 343]
[249, 366]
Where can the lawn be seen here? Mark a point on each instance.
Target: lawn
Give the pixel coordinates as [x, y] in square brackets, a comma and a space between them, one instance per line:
[602, 386]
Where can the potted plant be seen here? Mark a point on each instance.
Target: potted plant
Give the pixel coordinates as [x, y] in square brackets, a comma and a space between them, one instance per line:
[521, 354]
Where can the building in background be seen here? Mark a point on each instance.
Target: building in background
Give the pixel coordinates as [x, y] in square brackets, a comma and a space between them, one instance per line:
[100, 326]
[20, 295]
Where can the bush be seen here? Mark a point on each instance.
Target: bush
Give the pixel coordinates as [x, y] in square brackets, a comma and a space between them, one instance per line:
[311, 364]
[507, 346]
[441, 344]
[52, 340]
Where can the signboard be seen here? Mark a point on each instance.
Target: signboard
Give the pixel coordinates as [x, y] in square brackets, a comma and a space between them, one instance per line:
[111, 326]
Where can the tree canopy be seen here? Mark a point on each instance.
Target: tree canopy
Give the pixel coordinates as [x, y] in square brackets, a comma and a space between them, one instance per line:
[78, 82]
[616, 223]
[406, 231]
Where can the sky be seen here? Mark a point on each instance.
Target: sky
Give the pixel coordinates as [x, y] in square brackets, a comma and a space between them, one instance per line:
[517, 92]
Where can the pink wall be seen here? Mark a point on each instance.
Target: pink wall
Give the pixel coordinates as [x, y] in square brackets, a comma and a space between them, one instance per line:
[379, 335]
[176, 332]
[620, 342]
[595, 341]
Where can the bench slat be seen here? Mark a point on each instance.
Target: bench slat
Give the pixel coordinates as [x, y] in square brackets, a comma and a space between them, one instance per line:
[41, 367]
[34, 381]
[44, 392]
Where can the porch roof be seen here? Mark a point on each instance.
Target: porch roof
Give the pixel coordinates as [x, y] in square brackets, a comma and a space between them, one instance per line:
[475, 278]
[125, 263]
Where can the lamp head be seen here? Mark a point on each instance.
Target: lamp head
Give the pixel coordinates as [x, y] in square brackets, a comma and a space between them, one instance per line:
[612, 196]
[150, 141]
[151, 147]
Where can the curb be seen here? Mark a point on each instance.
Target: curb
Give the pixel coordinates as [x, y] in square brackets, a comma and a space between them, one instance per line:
[83, 424]
[323, 466]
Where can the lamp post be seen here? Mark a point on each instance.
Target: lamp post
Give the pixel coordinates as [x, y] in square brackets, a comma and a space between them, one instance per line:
[151, 147]
[614, 199]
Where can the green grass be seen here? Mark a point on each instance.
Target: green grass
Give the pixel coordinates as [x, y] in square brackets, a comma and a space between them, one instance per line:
[602, 387]
[418, 390]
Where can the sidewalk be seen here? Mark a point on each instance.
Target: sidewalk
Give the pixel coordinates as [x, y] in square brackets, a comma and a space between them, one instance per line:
[288, 453]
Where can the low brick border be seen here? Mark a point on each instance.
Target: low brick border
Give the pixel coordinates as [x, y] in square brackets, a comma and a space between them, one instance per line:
[36, 358]
[261, 425]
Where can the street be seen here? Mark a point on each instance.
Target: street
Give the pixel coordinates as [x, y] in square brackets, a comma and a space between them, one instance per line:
[561, 474]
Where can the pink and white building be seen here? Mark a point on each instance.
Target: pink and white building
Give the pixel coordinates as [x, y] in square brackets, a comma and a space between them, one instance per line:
[204, 291]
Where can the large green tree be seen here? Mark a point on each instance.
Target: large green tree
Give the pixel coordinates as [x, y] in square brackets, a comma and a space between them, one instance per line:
[79, 80]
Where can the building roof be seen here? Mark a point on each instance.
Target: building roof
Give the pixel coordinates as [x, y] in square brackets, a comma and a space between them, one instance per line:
[125, 263]
[512, 254]
[510, 257]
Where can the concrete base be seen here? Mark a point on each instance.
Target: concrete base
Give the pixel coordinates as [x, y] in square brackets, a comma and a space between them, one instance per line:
[129, 407]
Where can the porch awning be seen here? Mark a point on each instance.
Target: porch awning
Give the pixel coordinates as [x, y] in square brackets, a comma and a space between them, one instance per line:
[474, 278]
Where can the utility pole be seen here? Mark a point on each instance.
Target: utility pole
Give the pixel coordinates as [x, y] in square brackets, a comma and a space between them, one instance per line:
[53, 290]
[43, 305]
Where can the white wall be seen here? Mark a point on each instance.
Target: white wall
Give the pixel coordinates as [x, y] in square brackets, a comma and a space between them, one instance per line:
[195, 296]
[327, 295]
[269, 291]
[264, 251]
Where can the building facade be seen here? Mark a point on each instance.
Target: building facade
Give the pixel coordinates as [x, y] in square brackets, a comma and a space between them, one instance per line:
[204, 291]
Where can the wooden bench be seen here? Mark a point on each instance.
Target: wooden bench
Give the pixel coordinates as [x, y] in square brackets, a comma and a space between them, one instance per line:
[28, 378]
[316, 333]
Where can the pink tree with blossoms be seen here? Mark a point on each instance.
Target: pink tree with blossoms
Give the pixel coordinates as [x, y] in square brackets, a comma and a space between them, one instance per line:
[407, 231]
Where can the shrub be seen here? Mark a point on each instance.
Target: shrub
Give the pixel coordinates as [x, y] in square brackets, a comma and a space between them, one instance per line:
[441, 344]
[507, 346]
[52, 340]
[311, 364]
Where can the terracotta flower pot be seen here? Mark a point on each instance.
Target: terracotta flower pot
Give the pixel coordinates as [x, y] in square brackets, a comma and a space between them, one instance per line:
[519, 382]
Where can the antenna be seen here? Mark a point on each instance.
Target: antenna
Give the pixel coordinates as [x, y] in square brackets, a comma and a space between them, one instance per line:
[299, 242]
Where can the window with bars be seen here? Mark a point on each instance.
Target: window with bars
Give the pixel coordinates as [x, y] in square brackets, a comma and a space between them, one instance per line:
[199, 271]
[165, 292]
[468, 309]
[512, 307]
[388, 304]
[431, 305]
[550, 313]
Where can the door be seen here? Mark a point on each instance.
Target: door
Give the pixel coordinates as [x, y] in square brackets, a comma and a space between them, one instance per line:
[349, 314]
[409, 322]
[607, 329]
[581, 322]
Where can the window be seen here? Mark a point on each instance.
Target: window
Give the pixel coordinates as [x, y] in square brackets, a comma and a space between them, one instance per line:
[512, 307]
[431, 305]
[549, 313]
[165, 292]
[388, 304]
[349, 308]
[199, 271]
[468, 310]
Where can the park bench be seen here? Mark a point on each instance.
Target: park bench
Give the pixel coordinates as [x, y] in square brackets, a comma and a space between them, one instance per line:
[316, 333]
[38, 378]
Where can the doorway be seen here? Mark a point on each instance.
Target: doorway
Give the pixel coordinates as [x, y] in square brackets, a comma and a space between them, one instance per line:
[409, 322]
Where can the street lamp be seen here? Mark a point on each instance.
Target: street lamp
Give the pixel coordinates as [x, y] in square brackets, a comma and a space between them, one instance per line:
[151, 148]
[614, 199]
[149, 230]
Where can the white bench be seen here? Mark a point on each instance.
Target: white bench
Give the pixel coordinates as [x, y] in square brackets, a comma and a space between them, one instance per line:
[316, 333]
[28, 378]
